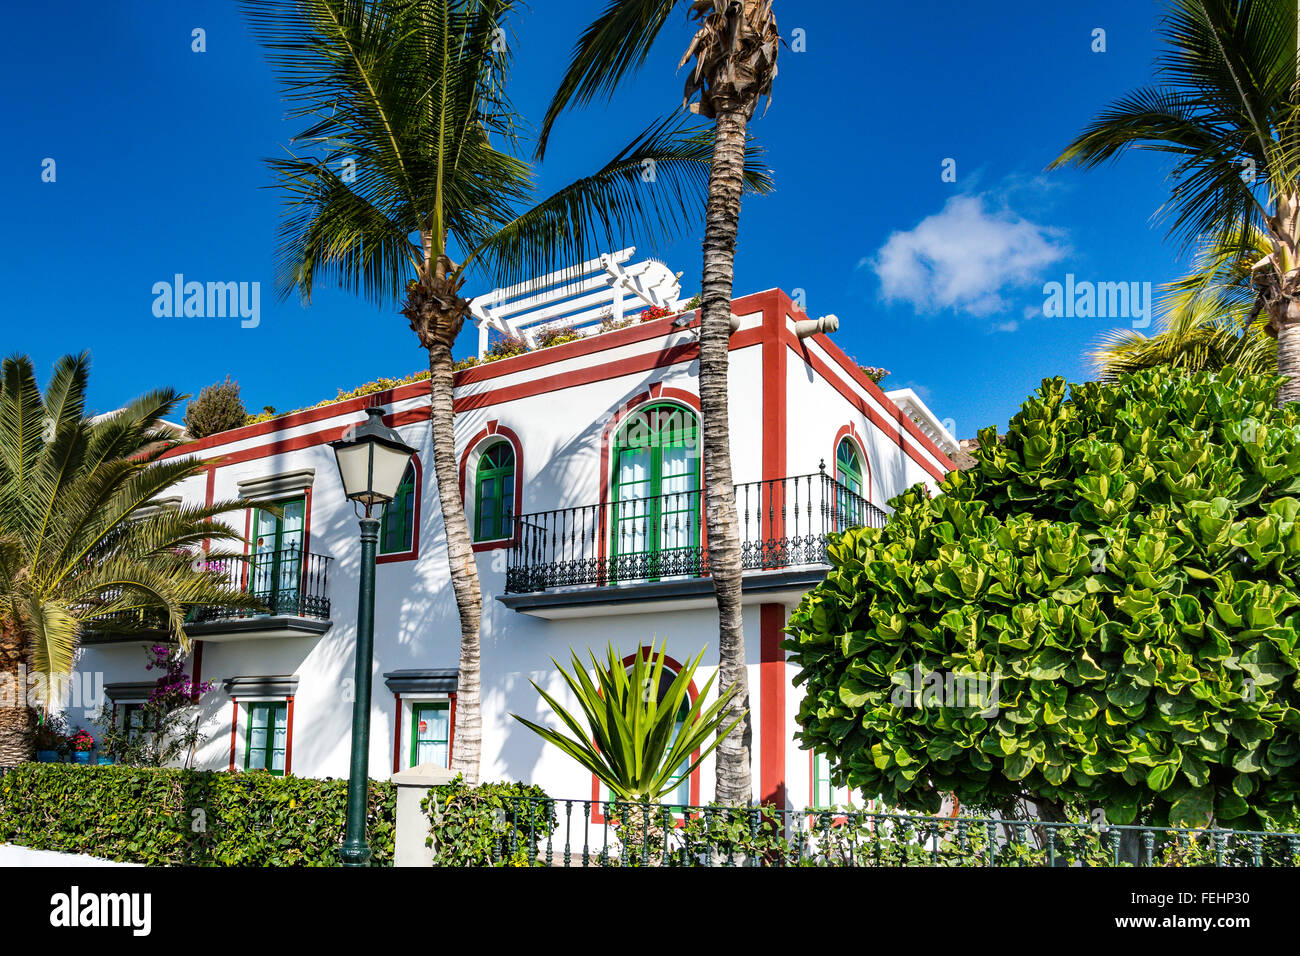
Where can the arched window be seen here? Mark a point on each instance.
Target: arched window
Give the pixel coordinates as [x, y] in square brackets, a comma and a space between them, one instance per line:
[848, 466]
[655, 529]
[851, 494]
[494, 492]
[397, 533]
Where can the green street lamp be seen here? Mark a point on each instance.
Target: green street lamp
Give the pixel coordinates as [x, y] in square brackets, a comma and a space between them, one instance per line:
[372, 459]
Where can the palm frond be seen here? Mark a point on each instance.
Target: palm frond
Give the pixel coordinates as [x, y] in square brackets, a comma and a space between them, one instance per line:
[654, 188]
[616, 43]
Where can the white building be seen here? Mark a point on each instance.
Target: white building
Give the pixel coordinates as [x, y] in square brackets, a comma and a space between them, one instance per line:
[580, 472]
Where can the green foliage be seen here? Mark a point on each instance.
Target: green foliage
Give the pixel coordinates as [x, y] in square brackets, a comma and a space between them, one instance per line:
[493, 824]
[628, 741]
[167, 817]
[76, 548]
[369, 388]
[1208, 318]
[217, 408]
[1125, 565]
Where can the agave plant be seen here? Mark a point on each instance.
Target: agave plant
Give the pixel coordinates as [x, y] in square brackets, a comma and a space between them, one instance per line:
[631, 743]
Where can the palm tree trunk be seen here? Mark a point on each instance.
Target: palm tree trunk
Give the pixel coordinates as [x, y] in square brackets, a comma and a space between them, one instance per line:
[726, 182]
[1287, 327]
[468, 743]
[17, 720]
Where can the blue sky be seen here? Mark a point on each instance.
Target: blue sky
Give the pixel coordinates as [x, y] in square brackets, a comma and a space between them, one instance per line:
[158, 170]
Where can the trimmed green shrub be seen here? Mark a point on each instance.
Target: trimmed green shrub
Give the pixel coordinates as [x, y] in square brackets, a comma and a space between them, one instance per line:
[493, 824]
[168, 817]
[216, 409]
[1123, 568]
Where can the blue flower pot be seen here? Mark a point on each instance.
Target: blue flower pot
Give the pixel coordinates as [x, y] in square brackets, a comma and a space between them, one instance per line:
[103, 761]
[47, 756]
[81, 756]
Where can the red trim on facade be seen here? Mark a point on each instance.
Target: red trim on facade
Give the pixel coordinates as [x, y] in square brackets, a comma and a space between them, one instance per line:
[850, 431]
[495, 429]
[597, 815]
[415, 520]
[397, 737]
[891, 431]
[288, 743]
[775, 420]
[772, 679]
[197, 677]
[234, 729]
[875, 391]
[663, 359]
[642, 332]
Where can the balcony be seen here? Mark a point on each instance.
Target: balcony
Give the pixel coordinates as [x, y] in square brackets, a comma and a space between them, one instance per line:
[638, 553]
[292, 586]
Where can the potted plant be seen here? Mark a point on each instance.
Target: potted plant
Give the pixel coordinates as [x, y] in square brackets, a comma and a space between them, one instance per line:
[51, 741]
[81, 743]
[632, 743]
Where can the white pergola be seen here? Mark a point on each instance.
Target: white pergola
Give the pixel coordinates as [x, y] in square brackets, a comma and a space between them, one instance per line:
[578, 298]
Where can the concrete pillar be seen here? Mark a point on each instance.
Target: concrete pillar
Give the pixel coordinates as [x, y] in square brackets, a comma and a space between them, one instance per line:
[410, 843]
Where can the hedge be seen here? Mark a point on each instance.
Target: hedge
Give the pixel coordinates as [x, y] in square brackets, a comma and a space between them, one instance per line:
[493, 824]
[169, 817]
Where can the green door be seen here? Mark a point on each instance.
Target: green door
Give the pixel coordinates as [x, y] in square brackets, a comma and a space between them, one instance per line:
[655, 530]
[275, 570]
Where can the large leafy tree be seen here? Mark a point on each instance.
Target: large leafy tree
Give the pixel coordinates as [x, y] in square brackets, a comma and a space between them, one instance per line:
[1226, 109]
[734, 51]
[1210, 319]
[409, 182]
[1121, 573]
[80, 545]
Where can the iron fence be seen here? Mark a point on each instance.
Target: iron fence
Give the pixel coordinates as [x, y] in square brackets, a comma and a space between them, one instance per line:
[784, 523]
[286, 582]
[587, 833]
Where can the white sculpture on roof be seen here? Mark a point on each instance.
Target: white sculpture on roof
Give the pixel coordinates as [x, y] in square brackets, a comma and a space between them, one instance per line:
[579, 298]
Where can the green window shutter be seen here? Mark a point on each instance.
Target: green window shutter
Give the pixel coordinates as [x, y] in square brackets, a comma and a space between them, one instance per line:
[397, 533]
[656, 493]
[848, 466]
[494, 493]
[823, 794]
[267, 736]
[431, 734]
[275, 568]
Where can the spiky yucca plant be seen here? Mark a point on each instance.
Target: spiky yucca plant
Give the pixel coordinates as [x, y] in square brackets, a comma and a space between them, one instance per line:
[628, 742]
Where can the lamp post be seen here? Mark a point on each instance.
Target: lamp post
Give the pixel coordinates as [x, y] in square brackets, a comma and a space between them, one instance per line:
[372, 459]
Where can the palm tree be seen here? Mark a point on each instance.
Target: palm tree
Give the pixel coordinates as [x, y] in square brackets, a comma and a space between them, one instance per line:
[414, 182]
[1227, 112]
[1210, 319]
[80, 545]
[735, 51]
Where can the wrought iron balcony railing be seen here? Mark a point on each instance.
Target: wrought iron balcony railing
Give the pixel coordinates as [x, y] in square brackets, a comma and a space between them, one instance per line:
[288, 582]
[784, 523]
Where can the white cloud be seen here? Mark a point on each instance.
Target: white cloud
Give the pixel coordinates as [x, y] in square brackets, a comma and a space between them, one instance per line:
[964, 258]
